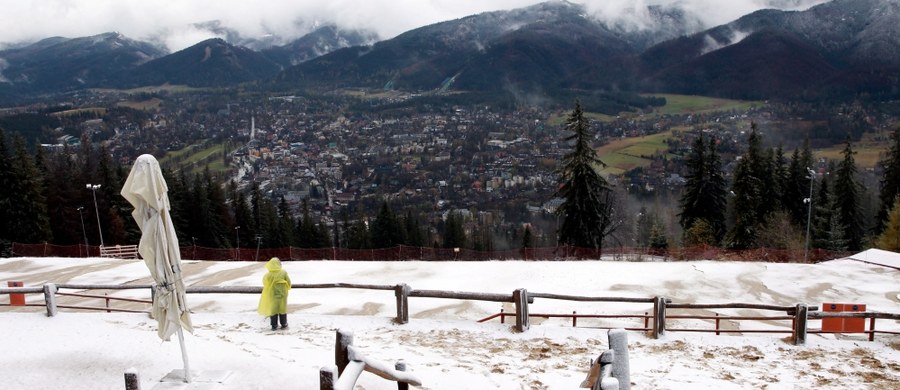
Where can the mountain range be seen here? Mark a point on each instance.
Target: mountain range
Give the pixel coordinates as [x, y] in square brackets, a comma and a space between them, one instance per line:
[836, 49]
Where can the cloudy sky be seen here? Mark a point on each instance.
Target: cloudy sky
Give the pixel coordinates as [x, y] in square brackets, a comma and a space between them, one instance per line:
[170, 21]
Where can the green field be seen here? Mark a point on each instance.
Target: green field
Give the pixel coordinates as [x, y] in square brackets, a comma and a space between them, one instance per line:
[685, 104]
[192, 157]
[625, 154]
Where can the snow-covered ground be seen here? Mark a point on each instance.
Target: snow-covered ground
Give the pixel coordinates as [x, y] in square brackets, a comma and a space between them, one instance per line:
[443, 345]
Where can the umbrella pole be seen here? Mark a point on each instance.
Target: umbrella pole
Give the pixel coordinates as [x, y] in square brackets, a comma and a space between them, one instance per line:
[187, 367]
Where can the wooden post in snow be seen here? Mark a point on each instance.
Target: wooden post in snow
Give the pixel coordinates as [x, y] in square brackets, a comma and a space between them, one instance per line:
[401, 366]
[659, 317]
[520, 298]
[326, 378]
[132, 381]
[341, 352]
[401, 291]
[800, 320]
[50, 299]
[621, 370]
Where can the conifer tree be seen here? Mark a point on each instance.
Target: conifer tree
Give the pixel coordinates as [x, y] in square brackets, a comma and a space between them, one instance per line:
[847, 193]
[889, 239]
[387, 232]
[890, 180]
[26, 219]
[704, 195]
[454, 232]
[587, 205]
[527, 238]
[749, 198]
[6, 197]
[797, 184]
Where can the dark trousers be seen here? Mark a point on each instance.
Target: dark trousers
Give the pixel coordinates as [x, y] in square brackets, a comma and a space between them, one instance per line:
[274, 320]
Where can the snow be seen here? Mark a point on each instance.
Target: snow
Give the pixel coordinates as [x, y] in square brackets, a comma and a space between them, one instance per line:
[443, 345]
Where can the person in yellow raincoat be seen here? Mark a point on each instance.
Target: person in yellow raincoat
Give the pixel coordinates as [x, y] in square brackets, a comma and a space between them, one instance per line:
[273, 300]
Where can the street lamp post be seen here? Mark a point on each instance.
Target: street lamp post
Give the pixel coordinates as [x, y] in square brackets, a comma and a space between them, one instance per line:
[258, 242]
[83, 232]
[237, 241]
[93, 188]
[808, 201]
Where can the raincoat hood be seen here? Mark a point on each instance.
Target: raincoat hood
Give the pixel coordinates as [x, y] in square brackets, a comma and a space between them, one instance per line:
[274, 265]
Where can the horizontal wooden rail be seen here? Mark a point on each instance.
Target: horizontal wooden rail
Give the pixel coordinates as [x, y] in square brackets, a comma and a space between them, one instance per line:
[577, 298]
[472, 296]
[106, 309]
[851, 314]
[787, 309]
[108, 297]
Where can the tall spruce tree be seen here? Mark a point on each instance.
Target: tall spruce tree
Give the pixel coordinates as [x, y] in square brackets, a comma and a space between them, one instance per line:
[889, 239]
[890, 180]
[705, 193]
[749, 194]
[587, 205]
[27, 219]
[797, 184]
[848, 193]
[387, 231]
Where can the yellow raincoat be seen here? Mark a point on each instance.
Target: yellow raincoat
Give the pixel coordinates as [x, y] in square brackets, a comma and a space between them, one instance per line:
[276, 285]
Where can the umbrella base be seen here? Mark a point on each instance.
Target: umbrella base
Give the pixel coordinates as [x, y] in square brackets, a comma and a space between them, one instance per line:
[200, 380]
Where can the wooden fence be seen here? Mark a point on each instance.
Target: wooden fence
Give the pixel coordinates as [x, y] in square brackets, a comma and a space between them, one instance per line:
[799, 315]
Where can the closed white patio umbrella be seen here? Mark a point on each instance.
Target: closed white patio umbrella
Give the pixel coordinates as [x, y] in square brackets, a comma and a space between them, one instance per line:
[146, 190]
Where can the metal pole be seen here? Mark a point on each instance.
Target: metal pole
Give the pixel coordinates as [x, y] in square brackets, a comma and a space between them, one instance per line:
[812, 175]
[187, 367]
[237, 242]
[93, 188]
[258, 241]
[84, 232]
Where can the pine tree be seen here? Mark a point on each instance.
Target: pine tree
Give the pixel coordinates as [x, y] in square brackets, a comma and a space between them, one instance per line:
[890, 180]
[847, 193]
[889, 239]
[387, 232]
[704, 195]
[700, 233]
[527, 238]
[587, 205]
[797, 185]
[454, 232]
[28, 220]
[751, 176]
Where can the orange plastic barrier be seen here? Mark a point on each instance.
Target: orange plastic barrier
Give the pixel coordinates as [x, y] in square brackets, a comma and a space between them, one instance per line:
[16, 299]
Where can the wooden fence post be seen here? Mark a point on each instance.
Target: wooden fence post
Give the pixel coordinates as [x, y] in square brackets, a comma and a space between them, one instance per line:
[401, 366]
[132, 381]
[520, 297]
[621, 370]
[341, 354]
[800, 321]
[607, 366]
[326, 378]
[50, 299]
[401, 291]
[659, 317]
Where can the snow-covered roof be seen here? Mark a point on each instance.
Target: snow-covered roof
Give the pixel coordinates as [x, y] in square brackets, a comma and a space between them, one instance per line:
[878, 257]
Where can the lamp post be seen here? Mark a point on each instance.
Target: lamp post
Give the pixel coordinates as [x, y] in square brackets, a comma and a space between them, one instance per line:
[237, 241]
[93, 188]
[83, 232]
[808, 201]
[258, 241]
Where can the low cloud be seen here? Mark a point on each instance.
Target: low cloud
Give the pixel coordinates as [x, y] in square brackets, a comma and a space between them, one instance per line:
[169, 21]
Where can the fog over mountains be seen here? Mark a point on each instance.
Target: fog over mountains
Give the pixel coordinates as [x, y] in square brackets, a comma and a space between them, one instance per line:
[842, 47]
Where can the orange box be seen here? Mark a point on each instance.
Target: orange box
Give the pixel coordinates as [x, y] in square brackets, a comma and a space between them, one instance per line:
[854, 325]
[16, 299]
[833, 324]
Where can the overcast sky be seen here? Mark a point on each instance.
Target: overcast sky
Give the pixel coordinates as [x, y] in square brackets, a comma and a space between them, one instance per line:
[169, 21]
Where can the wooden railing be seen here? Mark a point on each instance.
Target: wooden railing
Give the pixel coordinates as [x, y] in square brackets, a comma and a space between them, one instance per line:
[659, 319]
[119, 251]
